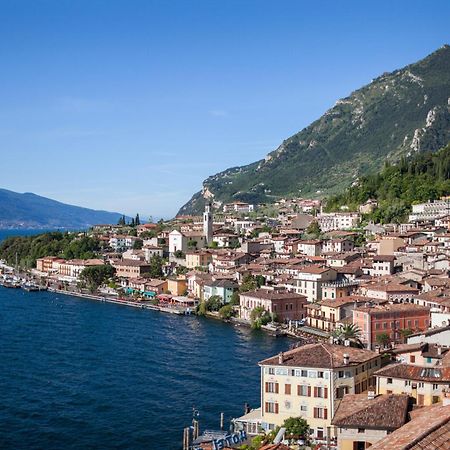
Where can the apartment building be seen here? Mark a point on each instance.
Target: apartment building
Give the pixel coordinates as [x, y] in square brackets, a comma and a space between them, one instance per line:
[131, 269]
[425, 384]
[310, 279]
[310, 382]
[286, 305]
[390, 319]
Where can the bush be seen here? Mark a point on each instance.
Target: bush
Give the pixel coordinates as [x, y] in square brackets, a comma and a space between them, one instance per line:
[226, 312]
[258, 317]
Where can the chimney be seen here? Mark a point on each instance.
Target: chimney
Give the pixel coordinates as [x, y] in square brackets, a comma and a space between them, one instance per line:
[346, 359]
[280, 358]
[439, 350]
[370, 395]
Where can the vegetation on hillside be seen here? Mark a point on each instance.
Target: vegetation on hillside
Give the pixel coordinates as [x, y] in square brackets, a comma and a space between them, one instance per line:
[422, 177]
[65, 245]
[398, 112]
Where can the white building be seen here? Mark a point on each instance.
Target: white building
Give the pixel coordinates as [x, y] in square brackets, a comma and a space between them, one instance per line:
[430, 210]
[310, 280]
[338, 221]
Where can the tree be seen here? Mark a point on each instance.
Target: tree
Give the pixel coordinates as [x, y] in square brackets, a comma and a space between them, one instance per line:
[234, 301]
[156, 263]
[348, 332]
[296, 428]
[132, 223]
[192, 243]
[248, 283]
[95, 276]
[137, 220]
[214, 303]
[314, 229]
[226, 312]
[258, 317]
[138, 244]
[404, 333]
[383, 339]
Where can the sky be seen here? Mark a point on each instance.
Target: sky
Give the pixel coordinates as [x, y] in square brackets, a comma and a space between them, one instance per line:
[128, 105]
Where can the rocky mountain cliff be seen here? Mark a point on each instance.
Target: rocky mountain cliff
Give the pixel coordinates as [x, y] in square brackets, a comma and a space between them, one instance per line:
[397, 114]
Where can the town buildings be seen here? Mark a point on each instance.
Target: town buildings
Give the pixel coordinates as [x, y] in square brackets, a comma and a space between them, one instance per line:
[310, 381]
[285, 305]
[390, 320]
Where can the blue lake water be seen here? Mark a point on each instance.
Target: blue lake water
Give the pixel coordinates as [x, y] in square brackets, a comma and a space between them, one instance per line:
[78, 374]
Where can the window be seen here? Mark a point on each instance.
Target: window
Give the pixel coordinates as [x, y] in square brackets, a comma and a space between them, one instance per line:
[389, 381]
[303, 408]
[304, 390]
[341, 374]
[412, 358]
[407, 383]
[361, 430]
[304, 373]
[321, 392]
[320, 375]
[320, 413]
[272, 388]
[271, 371]
[435, 387]
[272, 407]
[287, 389]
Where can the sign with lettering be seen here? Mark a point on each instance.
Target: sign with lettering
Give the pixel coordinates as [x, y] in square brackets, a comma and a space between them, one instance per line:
[229, 440]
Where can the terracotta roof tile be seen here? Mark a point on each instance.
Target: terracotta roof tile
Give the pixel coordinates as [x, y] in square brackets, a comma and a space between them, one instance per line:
[386, 412]
[321, 355]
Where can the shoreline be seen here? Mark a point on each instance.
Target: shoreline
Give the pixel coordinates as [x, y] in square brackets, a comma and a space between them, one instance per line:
[133, 304]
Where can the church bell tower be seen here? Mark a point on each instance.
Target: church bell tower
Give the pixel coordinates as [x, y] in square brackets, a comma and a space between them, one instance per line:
[208, 223]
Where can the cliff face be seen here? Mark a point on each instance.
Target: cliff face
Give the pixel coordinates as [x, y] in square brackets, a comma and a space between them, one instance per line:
[397, 114]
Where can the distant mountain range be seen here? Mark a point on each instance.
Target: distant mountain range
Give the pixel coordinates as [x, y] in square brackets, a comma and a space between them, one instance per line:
[397, 114]
[33, 211]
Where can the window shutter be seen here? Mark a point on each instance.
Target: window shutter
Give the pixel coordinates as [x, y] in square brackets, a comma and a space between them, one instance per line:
[325, 395]
[325, 413]
[267, 386]
[276, 388]
[287, 389]
[267, 407]
[315, 391]
[276, 408]
[309, 391]
[315, 413]
[298, 389]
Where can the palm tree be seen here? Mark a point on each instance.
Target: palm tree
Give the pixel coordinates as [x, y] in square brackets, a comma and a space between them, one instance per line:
[348, 332]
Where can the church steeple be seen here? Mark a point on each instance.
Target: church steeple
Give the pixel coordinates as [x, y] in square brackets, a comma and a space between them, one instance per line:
[208, 223]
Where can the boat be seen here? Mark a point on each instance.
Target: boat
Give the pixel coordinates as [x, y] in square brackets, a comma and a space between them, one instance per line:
[30, 287]
[273, 329]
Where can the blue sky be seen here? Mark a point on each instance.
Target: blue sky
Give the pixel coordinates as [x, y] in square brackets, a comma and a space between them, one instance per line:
[129, 105]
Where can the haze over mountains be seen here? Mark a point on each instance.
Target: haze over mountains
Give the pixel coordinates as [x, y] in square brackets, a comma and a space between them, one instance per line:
[397, 114]
[33, 211]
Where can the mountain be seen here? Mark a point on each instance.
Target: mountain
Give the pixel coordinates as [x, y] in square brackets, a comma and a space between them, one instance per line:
[397, 114]
[33, 211]
[416, 179]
